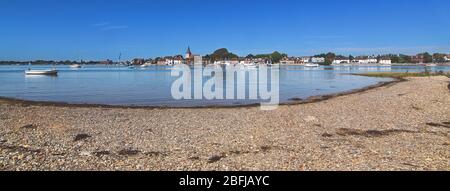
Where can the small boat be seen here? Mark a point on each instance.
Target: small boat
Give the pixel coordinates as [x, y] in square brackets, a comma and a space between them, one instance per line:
[311, 65]
[75, 66]
[431, 65]
[51, 72]
[251, 66]
[146, 65]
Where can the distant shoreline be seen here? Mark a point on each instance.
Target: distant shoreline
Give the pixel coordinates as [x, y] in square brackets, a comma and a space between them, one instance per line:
[98, 63]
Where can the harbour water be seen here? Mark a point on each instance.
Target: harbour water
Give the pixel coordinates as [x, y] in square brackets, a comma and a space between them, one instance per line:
[114, 85]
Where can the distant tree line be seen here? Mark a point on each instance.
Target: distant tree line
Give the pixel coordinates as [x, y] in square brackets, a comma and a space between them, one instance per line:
[275, 57]
[224, 54]
[395, 58]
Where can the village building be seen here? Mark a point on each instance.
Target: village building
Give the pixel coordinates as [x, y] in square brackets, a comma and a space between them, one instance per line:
[341, 61]
[447, 58]
[192, 59]
[287, 61]
[138, 61]
[306, 59]
[317, 60]
[365, 60]
[385, 61]
[420, 58]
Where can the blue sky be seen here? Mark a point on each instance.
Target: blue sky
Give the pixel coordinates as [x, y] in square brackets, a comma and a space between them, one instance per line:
[101, 29]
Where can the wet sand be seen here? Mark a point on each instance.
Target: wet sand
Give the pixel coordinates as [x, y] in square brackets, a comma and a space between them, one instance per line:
[400, 126]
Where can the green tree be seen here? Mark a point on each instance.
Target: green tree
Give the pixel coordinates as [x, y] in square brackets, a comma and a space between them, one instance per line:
[351, 58]
[404, 59]
[427, 58]
[329, 58]
[276, 57]
[250, 56]
[222, 54]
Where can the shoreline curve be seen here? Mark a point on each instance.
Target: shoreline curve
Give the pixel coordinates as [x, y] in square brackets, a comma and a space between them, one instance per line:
[293, 101]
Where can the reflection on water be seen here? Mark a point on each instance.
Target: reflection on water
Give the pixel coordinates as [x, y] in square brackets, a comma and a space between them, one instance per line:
[152, 86]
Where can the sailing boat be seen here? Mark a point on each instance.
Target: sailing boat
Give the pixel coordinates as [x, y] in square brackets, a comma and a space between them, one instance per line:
[52, 72]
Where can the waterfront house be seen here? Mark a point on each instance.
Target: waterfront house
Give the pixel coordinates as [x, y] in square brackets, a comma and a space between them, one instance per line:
[107, 62]
[317, 60]
[385, 61]
[138, 61]
[161, 61]
[305, 59]
[341, 61]
[287, 60]
[173, 60]
[246, 61]
[420, 58]
[365, 60]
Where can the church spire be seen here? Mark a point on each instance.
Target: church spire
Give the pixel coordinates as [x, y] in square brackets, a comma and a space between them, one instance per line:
[189, 51]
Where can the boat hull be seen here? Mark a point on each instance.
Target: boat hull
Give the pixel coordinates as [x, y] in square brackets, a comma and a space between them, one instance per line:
[312, 65]
[43, 72]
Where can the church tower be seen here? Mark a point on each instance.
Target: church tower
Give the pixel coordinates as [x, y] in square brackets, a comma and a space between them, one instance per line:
[188, 53]
[189, 57]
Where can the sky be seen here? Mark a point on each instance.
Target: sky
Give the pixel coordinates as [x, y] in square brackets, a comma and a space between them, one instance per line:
[104, 29]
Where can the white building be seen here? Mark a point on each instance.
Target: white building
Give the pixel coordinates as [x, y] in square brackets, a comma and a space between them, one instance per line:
[306, 59]
[173, 61]
[385, 61]
[317, 60]
[341, 61]
[367, 61]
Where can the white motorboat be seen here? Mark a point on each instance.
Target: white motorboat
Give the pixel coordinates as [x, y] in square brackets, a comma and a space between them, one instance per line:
[251, 66]
[146, 65]
[52, 72]
[431, 65]
[311, 65]
[75, 66]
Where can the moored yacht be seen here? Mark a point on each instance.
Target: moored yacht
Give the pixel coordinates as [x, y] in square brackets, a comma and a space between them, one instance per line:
[75, 66]
[41, 72]
[311, 65]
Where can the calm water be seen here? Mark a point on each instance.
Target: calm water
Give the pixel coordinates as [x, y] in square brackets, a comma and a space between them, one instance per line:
[152, 86]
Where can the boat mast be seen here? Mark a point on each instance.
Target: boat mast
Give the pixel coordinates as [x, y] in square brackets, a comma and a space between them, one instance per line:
[120, 56]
